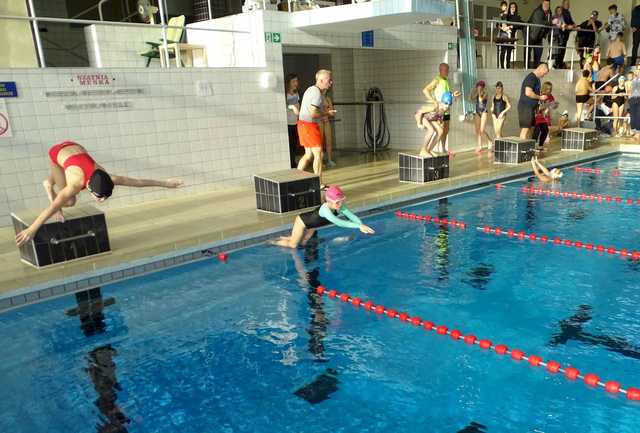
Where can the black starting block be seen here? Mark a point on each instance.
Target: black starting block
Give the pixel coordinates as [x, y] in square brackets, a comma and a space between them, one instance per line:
[286, 191]
[418, 169]
[513, 150]
[83, 234]
[579, 138]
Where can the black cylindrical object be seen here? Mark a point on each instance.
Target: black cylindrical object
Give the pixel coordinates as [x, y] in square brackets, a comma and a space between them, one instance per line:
[381, 136]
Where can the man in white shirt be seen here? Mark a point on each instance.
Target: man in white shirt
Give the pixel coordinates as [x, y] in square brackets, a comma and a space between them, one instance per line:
[311, 113]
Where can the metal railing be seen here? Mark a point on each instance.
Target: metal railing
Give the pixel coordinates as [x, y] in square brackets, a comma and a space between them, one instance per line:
[491, 26]
[34, 20]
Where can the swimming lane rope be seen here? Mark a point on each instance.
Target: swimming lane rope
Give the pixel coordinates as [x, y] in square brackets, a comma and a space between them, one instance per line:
[551, 366]
[579, 196]
[596, 171]
[521, 235]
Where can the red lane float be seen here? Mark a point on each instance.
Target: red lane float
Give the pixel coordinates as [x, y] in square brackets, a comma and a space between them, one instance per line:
[622, 252]
[550, 366]
[432, 219]
[580, 196]
[581, 169]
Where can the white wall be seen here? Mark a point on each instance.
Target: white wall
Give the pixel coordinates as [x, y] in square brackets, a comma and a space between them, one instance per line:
[17, 49]
[211, 142]
[120, 47]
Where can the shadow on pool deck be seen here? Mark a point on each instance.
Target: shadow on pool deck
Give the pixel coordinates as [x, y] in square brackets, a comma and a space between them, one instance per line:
[160, 227]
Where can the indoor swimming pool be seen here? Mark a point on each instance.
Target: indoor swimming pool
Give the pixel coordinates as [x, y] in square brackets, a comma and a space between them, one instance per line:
[247, 345]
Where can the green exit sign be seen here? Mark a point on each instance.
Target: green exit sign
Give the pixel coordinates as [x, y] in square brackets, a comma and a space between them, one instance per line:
[451, 46]
[272, 37]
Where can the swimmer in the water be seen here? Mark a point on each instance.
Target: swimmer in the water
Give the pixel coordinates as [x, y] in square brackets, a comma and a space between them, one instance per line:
[71, 169]
[305, 224]
[543, 173]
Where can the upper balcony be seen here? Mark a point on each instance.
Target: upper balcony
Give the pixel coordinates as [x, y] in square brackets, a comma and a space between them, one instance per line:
[371, 15]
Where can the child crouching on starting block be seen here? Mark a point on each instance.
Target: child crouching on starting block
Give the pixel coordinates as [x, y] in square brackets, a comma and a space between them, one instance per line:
[329, 212]
[430, 117]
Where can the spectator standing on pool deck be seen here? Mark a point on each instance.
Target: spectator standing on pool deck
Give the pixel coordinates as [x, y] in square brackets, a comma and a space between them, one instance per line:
[530, 97]
[616, 23]
[311, 114]
[541, 16]
[293, 110]
[433, 92]
[569, 26]
[635, 32]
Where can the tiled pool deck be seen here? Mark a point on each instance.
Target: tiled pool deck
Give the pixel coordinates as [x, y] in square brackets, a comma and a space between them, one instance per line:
[153, 236]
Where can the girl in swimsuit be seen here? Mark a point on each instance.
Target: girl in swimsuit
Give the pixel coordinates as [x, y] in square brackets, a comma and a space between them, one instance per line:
[481, 100]
[500, 106]
[617, 108]
[430, 117]
[305, 224]
[71, 170]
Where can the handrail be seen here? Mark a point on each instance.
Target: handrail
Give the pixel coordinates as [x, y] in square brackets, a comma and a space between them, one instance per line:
[79, 14]
[33, 20]
[596, 94]
[115, 23]
[495, 23]
[100, 3]
[524, 23]
[615, 77]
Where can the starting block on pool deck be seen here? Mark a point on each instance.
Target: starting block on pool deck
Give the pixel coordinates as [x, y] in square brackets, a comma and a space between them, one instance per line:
[286, 190]
[579, 138]
[82, 234]
[513, 150]
[418, 169]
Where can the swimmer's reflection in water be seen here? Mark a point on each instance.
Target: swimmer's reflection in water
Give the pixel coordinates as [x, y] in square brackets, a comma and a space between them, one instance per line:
[439, 261]
[442, 242]
[308, 281]
[102, 371]
[571, 329]
[530, 214]
[90, 311]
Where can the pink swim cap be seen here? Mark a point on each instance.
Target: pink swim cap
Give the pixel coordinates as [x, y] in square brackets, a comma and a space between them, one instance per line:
[334, 193]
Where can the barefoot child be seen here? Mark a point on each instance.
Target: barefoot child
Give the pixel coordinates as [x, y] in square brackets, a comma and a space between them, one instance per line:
[543, 115]
[500, 106]
[480, 99]
[305, 224]
[617, 51]
[430, 118]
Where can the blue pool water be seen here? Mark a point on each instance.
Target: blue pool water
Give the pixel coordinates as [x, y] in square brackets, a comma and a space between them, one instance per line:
[245, 347]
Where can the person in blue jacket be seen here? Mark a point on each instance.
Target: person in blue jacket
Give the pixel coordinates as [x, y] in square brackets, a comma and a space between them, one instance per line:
[329, 212]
